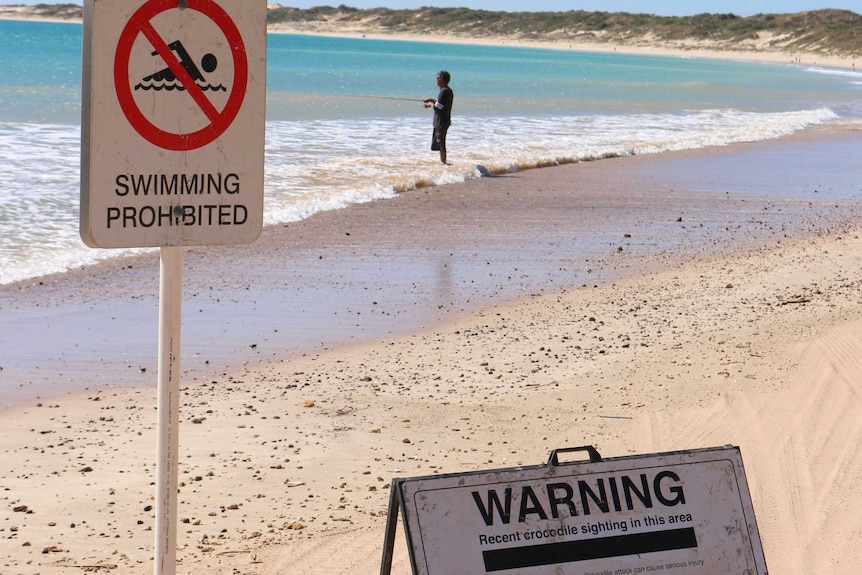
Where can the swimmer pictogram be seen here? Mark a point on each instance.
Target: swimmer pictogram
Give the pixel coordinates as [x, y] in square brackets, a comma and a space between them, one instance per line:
[180, 74]
[166, 79]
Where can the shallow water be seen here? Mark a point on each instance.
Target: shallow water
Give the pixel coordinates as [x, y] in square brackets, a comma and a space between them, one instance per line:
[345, 123]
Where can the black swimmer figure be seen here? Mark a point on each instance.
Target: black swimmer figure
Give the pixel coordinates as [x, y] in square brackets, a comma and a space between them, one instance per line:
[208, 63]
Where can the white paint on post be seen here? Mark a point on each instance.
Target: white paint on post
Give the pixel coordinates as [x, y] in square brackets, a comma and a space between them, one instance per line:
[167, 464]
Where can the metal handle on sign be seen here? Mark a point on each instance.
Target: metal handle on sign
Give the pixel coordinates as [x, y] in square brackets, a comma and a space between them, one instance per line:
[593, 453]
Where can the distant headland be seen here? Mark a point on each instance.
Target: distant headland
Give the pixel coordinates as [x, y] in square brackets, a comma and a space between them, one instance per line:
[828, 37]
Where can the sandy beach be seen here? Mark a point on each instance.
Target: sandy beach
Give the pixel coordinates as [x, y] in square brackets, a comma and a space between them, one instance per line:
[441, 333]
[753, 51]
[639, 305]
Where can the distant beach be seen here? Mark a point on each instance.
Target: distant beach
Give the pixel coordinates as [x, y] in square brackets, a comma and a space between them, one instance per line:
[757, 50]
[685, 49]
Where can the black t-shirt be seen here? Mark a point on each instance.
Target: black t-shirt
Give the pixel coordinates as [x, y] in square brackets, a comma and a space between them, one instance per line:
[443, 108]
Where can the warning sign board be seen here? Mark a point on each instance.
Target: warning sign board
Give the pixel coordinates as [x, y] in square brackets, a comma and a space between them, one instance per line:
[173, 122]
[681, 513]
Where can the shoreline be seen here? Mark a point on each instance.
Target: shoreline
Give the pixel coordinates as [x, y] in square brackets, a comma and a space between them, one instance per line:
[688, 49]
[287, 458]
[473, 270]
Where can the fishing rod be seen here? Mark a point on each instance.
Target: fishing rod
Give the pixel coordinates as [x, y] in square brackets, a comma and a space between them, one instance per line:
[387, 98]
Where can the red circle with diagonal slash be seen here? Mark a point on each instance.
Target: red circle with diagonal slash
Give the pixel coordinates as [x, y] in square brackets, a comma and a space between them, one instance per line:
[141, 23]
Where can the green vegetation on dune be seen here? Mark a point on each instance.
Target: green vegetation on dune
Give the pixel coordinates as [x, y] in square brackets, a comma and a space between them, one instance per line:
[836, 32]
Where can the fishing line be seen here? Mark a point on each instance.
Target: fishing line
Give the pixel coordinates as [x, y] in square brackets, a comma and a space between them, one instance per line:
[386, 98]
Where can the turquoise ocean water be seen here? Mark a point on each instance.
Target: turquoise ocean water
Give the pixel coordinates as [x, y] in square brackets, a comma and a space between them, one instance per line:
[345, 122]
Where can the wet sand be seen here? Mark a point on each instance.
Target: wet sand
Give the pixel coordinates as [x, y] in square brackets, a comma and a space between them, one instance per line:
[637, 304]
[389, 268]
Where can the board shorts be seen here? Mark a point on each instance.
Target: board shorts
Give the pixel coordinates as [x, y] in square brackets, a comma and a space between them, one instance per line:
[438, 139]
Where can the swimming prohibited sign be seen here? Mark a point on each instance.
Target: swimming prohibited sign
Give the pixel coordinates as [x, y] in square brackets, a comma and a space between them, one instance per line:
[173, 122]
[679, 513]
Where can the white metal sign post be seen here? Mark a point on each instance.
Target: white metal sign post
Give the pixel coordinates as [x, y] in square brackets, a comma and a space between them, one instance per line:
[172, 149]
[680, 513]
[168, 429]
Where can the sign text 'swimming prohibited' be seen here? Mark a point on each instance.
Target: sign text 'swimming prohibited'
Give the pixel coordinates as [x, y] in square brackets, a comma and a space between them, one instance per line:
[173, 122]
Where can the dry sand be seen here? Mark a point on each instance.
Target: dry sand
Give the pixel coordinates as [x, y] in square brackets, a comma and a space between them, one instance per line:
[286, 458]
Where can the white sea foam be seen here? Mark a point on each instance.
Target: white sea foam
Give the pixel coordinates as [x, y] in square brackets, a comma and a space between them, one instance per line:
[835, 72]
[329, 164]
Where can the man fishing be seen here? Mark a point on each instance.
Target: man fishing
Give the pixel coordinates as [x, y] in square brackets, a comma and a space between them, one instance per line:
[442, 113]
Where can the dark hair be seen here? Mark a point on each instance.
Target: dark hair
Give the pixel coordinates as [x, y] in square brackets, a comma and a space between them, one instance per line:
[443, 75]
